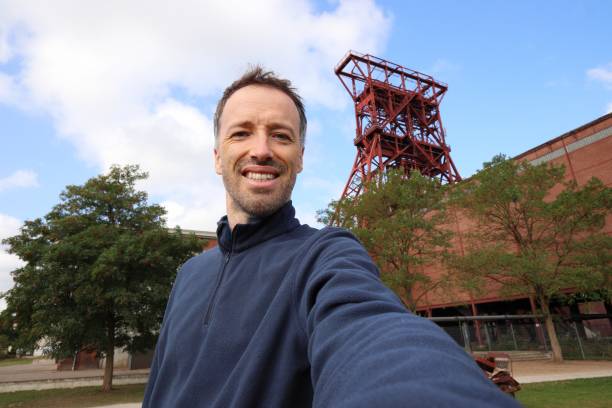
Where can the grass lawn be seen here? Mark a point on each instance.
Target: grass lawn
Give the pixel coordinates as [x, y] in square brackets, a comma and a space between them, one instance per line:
[72, 397]
[15, 361]
[587, 393]
[584, 393]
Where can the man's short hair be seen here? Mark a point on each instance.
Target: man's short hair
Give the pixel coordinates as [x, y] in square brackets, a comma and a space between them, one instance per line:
[258, 76]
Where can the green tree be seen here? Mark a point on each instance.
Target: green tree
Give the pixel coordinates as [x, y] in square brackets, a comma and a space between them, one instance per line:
[99, 268]
[532, 238]
[9, 334]
[400, 221]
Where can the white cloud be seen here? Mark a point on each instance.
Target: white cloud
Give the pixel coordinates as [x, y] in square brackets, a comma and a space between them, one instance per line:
[9, 226]
[20, 178]
[5, 50]
[7, 88]
[603, 74]
[109, 74]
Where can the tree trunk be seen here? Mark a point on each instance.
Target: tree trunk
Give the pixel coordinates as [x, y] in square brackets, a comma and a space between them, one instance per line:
[107, 383]
[550, 329]
[406, 303]
[410, 303]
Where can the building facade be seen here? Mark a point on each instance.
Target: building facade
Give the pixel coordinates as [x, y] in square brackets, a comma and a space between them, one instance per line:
[585, 152]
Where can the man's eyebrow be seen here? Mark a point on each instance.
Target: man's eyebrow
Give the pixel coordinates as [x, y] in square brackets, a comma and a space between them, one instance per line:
[247, 124]
[280, 125]
[243, 124]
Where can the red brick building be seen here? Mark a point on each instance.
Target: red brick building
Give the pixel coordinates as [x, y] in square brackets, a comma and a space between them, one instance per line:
[585, 152]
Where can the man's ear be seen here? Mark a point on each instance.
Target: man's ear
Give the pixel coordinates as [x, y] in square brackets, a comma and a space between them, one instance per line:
[301, 163]
[217, 162]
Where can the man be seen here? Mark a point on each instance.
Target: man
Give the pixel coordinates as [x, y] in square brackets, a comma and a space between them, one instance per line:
[283, 315]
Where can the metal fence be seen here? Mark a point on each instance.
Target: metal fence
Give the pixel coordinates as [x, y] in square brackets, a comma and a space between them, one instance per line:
[581, 337]
[587, 337]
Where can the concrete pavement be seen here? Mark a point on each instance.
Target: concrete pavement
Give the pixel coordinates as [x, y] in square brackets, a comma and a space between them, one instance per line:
[545, 370]
[42, 374]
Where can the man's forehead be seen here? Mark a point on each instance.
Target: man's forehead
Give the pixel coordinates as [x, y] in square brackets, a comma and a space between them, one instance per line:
[259, 99]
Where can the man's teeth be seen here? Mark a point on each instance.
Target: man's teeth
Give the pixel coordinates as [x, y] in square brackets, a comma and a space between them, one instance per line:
[260, 176]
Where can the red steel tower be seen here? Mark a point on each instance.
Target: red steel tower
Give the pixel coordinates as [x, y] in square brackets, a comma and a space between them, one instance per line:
[398, 121]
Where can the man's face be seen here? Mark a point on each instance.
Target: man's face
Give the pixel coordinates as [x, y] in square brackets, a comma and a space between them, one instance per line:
[259, 152]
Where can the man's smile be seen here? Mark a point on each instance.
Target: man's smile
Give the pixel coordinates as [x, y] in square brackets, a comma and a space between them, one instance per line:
[262, 176]
[259, 176]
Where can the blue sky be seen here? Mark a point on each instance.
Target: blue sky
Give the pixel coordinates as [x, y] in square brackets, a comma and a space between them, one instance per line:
[88, 85]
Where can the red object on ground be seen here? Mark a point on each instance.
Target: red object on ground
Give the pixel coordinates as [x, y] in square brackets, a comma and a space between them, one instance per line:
[398, 121]
[500, 375]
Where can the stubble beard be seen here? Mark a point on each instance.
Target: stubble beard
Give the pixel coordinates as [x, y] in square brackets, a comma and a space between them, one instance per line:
[256, 203]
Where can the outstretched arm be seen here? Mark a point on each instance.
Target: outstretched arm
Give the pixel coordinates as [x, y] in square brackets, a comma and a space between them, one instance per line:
[367, 350]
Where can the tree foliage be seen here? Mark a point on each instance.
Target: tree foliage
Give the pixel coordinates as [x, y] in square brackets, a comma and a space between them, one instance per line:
[532, 238]
[98, 269]
[400, 222]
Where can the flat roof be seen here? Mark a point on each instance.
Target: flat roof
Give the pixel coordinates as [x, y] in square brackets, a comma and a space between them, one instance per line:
[197, 233]
[566, 134]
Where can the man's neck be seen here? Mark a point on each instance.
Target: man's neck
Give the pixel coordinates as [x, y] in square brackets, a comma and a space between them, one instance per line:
[234, 218]
[240, 220]
[236, 214]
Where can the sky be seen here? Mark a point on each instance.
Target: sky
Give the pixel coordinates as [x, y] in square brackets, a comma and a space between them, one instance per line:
[88, 84]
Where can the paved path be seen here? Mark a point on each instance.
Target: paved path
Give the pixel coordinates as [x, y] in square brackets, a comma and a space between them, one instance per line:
[47, 371]
[542, 371]
[42, 374]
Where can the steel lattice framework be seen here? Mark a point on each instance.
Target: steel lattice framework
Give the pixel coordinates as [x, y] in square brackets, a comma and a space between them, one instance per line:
[398, 121]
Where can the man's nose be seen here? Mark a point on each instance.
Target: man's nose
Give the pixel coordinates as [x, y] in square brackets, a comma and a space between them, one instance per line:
[260, 147]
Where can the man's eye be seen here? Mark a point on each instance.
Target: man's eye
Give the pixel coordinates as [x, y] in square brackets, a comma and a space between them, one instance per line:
[239, 135]
[282, 136]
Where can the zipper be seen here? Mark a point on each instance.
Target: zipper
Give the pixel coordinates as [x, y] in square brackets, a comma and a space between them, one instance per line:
[213, 298]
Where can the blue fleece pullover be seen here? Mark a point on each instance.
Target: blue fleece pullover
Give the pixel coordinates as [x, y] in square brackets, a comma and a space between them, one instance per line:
[284, 315]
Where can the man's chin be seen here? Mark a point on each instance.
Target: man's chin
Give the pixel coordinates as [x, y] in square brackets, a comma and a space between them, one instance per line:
[267, 207]
[262, 192]
[259, 201]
